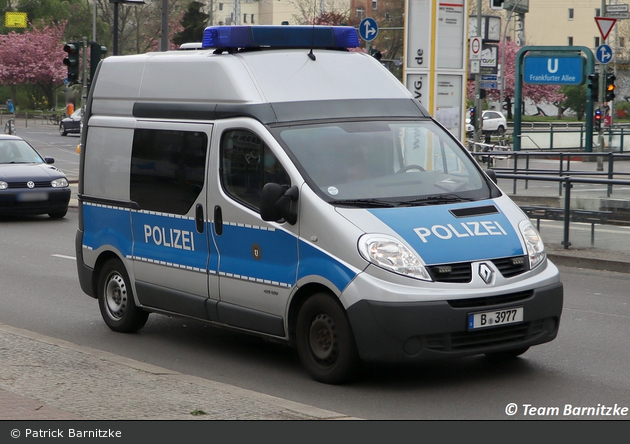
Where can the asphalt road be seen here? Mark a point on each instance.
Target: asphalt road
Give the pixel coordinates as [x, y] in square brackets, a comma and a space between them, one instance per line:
[585, 366]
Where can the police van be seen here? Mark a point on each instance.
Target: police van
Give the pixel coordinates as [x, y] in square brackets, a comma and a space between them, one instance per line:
[279, 184]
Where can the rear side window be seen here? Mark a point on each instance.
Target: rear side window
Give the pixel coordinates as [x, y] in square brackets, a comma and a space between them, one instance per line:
[247, 164]
[167, 169]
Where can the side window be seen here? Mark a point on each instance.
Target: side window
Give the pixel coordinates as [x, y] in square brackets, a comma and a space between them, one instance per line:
[247, 164]
[167, 169]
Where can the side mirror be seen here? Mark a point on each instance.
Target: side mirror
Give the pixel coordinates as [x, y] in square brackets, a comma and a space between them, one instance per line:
[49, 160]
[492, 175]
[275, 203]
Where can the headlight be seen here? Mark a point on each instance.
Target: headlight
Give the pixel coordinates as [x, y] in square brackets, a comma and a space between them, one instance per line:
[535, 246]
[3, 185]
[59, 183]
[388, 253]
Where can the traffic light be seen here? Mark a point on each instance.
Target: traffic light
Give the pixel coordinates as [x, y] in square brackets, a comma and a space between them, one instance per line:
[593, 85]
[96, 53]
[496, 4]
[597, 123]
[610, 87]
[473, 118]
[72, 61]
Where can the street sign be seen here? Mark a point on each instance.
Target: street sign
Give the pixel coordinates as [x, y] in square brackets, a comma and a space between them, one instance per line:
[553, 69]
[604, 54]
[475, 48]
[618, 15]
[368, 29]
[617, 8]
[488, 85]
[605, 24]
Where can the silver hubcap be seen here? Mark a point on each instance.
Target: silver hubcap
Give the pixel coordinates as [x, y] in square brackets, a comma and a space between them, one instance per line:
[116, 296]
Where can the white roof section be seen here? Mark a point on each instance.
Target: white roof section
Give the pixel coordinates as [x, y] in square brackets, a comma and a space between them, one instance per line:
[265, 76]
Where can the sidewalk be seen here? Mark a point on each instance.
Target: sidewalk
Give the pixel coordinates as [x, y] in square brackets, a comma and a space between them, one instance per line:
[44, 378]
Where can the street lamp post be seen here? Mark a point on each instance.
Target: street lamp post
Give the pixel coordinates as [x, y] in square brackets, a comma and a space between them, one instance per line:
[116, 3]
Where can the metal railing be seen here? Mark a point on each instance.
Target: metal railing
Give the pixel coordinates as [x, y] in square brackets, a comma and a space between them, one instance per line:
[564, 176]
[564, 165]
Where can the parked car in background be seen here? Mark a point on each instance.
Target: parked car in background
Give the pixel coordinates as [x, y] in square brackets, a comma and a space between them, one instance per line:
[493, 122]
[29, 184]
[71, 124]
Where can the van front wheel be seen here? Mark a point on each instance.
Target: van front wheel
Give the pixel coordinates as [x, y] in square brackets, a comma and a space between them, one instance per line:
[115, 299]
[324, 340]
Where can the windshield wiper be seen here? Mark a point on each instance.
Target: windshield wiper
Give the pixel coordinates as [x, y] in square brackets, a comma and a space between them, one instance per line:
[375, 203]
[437, 199]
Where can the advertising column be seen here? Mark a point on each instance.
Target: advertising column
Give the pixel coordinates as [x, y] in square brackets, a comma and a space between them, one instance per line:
[436, 59]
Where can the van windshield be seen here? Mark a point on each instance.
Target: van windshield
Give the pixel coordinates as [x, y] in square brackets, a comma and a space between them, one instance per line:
[384, 163]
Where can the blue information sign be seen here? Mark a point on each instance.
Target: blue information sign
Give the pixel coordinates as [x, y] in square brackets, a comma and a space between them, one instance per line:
[604, 54]
[368, 29]
[553, 69]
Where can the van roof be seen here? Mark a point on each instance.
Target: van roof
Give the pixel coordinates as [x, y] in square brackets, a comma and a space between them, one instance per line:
[271, 85]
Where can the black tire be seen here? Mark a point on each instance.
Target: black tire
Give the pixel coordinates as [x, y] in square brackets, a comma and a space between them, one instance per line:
[62, 130]
[325, 341]
[500, 130]
[115, 299]
[58, 214]
[508, 354]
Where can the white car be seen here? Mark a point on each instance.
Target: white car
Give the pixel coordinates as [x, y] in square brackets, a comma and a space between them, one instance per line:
[493, 122]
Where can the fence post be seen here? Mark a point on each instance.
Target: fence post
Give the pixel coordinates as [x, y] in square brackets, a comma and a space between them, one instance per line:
[611, 159]
[581, 135]
[621, 141]
[567, 211]
[550, 136]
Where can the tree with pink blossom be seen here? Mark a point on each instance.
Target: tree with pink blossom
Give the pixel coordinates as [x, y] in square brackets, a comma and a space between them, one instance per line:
[34, 57]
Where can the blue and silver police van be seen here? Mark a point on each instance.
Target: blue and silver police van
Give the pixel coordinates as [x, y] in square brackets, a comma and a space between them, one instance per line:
[278, 184]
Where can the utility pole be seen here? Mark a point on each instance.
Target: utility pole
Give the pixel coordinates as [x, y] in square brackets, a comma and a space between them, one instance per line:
[164, 41]
[478, 99]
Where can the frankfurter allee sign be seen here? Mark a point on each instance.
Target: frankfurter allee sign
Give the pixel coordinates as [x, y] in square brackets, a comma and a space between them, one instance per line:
[554, 69]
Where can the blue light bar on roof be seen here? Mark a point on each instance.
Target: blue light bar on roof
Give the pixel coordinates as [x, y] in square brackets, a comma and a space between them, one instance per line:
[338, 37]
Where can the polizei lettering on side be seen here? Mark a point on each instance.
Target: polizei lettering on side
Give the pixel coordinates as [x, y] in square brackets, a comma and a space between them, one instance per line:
[464, 229]
[169, 237]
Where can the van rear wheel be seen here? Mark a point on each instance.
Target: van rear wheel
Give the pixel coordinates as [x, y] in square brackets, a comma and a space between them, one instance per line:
[115, 299]
[325, 341]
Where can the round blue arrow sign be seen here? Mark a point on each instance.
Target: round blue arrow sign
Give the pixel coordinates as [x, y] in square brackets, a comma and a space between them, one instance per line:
[368, 29]
[604, 54]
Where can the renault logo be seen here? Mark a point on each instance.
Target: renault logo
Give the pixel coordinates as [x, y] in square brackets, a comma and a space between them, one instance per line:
[485, 272]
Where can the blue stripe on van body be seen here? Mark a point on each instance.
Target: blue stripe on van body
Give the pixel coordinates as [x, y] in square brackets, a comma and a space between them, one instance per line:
[315, 262]
[170, 240]
[439, 237]
[258, 253]
[107, 225]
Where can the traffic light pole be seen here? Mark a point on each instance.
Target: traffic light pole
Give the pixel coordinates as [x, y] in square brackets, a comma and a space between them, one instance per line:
[84, 75]
[602, 95]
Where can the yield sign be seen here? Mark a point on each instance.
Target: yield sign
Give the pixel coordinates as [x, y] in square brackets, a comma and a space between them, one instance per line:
[605, 24]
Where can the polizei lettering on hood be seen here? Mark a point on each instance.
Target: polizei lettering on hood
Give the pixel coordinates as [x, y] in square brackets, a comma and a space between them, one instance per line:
[464, 229]
[170, 237]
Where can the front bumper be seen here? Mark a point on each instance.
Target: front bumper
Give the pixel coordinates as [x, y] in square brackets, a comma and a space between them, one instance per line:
[418, 331]
[22, 201]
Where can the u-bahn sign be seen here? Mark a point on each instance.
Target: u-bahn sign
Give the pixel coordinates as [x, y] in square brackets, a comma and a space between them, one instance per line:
[553, 69]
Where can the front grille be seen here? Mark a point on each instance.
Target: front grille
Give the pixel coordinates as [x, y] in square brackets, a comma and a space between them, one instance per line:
[512, 266]
[491, 337]
[490, 300]
[461, 272]
[23, 184]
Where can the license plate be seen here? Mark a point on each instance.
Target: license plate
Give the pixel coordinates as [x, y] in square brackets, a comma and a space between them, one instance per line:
[495, 318]
[32, 197]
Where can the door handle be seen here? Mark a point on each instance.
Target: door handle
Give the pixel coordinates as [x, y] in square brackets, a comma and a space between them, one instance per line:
[218, 220]
[199, 222]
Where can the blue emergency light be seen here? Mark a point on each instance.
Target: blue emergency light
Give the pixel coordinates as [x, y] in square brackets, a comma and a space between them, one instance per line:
[262, 36]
